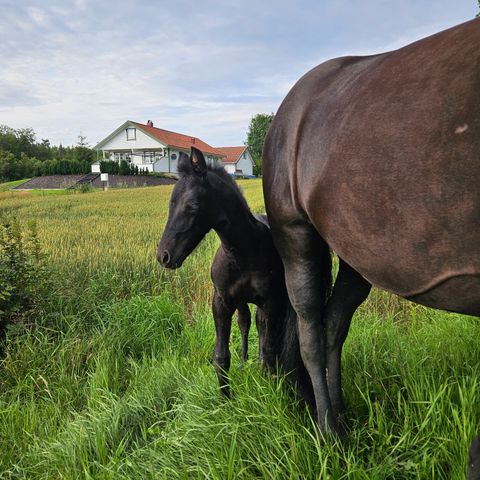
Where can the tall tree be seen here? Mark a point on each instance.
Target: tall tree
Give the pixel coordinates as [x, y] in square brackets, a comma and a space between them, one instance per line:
[82, 151]
[257, 130]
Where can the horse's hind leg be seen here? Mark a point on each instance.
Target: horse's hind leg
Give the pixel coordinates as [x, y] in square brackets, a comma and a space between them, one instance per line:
[222, 314]
[307, 262]
[349, 291]
[244, 322]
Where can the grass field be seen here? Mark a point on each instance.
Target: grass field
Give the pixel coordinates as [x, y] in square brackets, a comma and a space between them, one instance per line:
[8, 185]
[114, 380]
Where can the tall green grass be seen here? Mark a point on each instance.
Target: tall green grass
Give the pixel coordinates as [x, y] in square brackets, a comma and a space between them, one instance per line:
[115, 380]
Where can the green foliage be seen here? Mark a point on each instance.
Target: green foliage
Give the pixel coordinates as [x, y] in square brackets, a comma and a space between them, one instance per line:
[61, 167]
[21, 270]
[10, 168]
[83, 155]
[109, 166]
[257, 130]
[122, 168]
[18, 141]
[83, 188]
[22, 156]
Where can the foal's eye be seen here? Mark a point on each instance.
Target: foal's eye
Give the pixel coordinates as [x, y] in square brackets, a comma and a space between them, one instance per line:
[191, 208]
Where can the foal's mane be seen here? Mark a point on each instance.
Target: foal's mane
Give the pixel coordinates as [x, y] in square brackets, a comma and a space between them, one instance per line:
[222, 174]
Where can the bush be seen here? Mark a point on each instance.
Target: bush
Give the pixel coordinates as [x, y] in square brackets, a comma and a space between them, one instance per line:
[109, 166]
[84, 188]
[22, 272]
[62, 167]
[119, 168]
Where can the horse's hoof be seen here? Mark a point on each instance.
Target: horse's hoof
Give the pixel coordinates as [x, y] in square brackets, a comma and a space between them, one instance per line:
[332, 432]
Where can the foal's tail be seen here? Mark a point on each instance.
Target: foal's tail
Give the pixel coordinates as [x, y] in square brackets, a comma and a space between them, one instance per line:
[290, 360]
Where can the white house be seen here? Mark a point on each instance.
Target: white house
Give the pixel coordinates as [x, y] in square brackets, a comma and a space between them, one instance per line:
[238, 161]
[150, 148]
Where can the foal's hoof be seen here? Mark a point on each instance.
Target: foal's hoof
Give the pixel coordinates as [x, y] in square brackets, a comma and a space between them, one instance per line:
[268, 362]
[225, 391]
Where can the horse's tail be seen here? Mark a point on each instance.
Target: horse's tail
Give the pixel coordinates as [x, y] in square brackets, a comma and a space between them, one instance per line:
[290, 360]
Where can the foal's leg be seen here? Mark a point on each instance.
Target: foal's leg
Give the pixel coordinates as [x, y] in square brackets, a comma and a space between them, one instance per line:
[222, 314]
[260, 322]
[350, 290]
[306, 259]
[265, 321]
[244, 322]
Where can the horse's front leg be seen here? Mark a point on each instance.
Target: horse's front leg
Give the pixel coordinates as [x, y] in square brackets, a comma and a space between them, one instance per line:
[349, 291]
[244, 322]
[222, 314]
[307, 263]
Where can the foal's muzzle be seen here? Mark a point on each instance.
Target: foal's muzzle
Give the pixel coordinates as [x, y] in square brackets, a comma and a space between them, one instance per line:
[164, 258]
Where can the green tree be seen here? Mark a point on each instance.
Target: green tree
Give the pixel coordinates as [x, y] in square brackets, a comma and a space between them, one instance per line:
[82, 151]
[18, 141]
[257, 130]
[124, 168]
[109, 166]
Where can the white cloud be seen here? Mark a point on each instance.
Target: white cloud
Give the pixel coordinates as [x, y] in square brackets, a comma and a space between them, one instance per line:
[200, 68]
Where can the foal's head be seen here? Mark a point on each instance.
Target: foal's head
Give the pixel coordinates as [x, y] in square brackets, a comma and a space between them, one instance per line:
[195, 208]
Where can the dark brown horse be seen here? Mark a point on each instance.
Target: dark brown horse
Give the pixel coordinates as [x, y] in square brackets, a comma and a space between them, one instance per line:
[246, 268]
[377, 158]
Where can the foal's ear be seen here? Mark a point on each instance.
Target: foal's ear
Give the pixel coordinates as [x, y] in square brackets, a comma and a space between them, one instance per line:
[184, 166]
[198, 161]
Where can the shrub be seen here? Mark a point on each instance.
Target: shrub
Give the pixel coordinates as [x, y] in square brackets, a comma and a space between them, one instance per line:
[109, 166]
[22, 272]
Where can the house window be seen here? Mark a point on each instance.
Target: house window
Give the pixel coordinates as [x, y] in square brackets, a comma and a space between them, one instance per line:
[131, 133]
[148, 157]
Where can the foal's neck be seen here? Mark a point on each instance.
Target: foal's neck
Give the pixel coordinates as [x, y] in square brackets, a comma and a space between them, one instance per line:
[240, 233]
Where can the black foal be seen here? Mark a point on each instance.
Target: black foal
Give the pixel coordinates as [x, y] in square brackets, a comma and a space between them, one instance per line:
[246, 268]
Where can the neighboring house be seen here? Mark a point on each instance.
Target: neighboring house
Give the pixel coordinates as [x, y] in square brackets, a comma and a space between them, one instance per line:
[150, 148]
[238, 161]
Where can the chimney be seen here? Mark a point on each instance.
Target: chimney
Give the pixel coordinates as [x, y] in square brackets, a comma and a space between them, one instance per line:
[193, 140]
[150, 123]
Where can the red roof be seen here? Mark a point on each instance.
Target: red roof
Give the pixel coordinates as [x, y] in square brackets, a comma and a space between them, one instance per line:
[232, 153]
[173, 139]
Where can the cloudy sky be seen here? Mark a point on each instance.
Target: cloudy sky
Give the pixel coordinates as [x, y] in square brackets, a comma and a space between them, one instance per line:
[203, 68]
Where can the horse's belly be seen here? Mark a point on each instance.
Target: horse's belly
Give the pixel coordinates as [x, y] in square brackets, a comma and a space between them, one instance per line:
[457, 294]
